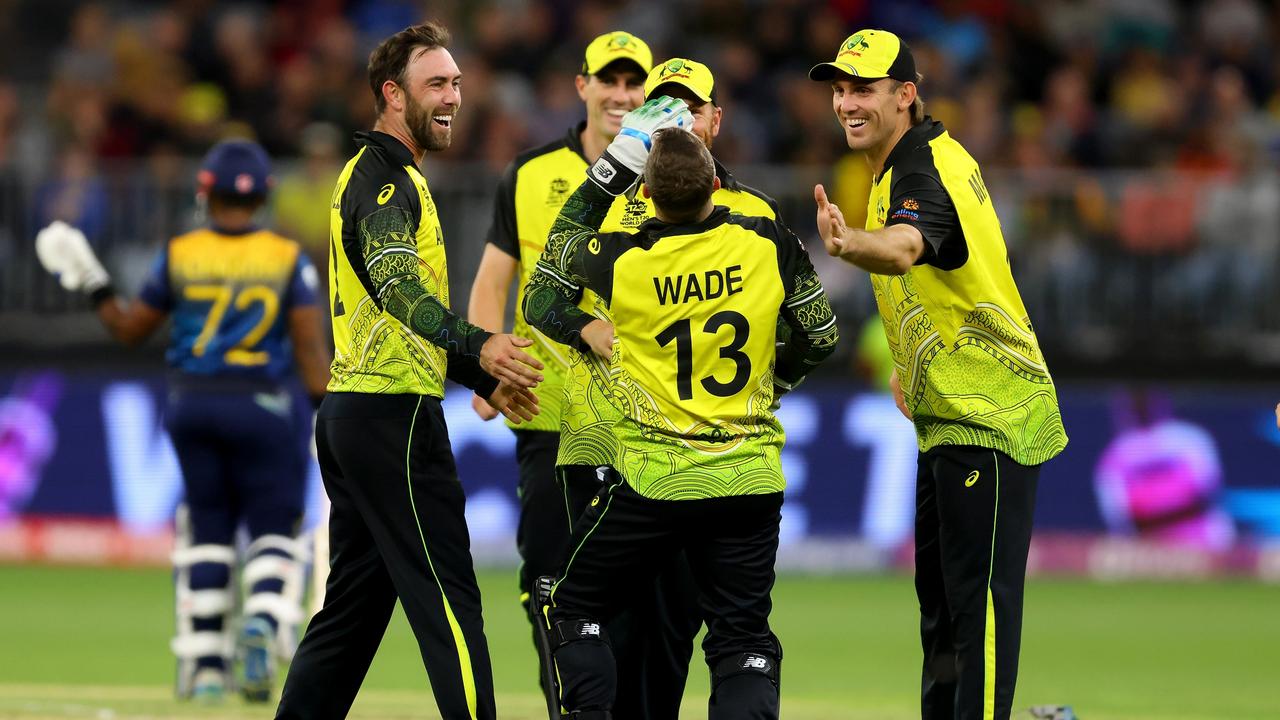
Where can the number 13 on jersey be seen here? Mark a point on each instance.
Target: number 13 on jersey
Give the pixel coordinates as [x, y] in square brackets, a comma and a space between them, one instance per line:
[681, 332]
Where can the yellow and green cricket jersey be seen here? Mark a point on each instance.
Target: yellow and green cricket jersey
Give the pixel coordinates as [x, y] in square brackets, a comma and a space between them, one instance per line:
[574, 396]
[393, 331]
[962, 343]
[695, 309]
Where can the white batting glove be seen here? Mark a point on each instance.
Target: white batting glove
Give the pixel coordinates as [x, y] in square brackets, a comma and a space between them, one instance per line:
[64, 251]
[624, 159]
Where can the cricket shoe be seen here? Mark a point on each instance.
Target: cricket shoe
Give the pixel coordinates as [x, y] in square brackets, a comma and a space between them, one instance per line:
[1049, 712]
[209, 686]
[257, 660]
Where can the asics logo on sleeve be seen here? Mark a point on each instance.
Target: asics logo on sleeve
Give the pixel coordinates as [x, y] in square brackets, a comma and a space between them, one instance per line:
[385, 194]
[972, 479]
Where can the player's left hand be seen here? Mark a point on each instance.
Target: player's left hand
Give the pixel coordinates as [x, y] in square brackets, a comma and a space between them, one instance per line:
[624, 159]
[64, 251]
[831, 225]
[635, 139]
[518, 404]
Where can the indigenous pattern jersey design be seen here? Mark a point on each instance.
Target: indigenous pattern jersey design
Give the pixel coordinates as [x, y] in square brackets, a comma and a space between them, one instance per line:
[393, 331]
[695, 360]
[962, 343]
[574, 397]
[229, 295]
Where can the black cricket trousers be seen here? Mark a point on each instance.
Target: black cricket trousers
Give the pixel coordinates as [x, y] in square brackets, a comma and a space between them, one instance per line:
[974, 509]
[625, 541]
[653, 637]
[396, 529]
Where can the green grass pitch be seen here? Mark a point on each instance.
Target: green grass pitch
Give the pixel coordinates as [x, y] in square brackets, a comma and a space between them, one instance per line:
[92, 643]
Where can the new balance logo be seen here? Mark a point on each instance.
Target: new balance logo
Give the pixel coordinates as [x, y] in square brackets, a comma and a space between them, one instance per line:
[754, 662]
[602, 170]
[591, 629]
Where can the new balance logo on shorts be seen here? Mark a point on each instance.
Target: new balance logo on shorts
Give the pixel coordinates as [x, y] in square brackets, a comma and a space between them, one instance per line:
[755, 662]
[591, 629]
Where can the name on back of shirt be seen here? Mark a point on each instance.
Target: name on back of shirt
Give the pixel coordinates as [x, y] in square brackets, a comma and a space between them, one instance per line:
[706, 285]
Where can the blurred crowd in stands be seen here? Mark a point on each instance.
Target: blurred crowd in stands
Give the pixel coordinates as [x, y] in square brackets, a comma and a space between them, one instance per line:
[1133, 143]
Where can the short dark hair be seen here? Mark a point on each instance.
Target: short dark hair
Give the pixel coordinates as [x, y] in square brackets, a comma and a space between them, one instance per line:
[679, 174]
[391, 58]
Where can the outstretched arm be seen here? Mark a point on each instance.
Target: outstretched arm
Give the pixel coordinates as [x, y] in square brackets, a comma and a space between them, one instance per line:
[807, 311]
[64, 251]
[550, 300]
[890, 250]
[553, 291]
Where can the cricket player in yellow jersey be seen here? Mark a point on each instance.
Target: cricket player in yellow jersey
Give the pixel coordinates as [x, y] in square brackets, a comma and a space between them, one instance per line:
[968, 372]
[397, 528]
[559, 453]
[531, 193]
[696, 294]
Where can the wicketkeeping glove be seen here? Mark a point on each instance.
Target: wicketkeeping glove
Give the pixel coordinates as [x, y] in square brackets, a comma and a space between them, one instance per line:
[624, 159]
[64, 251]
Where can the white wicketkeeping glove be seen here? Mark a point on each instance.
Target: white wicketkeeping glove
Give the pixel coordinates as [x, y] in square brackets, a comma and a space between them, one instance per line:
[64, 251]
[624, 159]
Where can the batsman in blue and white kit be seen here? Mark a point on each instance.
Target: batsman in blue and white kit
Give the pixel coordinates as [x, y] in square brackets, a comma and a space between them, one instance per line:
[244, 310]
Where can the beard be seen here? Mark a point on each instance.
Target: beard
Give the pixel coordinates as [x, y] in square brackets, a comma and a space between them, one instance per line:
[423, 129]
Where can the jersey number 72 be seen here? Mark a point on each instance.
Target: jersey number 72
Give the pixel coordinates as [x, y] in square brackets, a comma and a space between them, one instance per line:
[221, 297]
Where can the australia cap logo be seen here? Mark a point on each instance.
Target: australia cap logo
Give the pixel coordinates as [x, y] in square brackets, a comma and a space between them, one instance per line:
[621, 41]
[676, 68]
[854, 46]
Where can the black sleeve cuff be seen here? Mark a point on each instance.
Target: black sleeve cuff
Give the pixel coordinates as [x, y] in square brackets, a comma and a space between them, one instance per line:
[466, 371]
[101, 295]
[485, 385]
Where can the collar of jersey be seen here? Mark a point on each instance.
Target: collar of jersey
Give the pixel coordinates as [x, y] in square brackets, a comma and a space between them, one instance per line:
[653, 228]
[388, 143]
[573, 139]
[727, 180]
[248, 230]
[911, 140]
